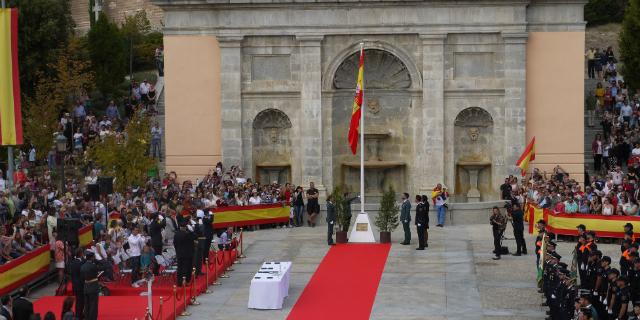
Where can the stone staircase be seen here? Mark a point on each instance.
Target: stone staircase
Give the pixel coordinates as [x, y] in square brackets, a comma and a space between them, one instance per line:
[590, 131]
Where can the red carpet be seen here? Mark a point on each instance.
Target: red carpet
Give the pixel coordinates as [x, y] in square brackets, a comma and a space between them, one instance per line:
[115, 308]
[344, 285]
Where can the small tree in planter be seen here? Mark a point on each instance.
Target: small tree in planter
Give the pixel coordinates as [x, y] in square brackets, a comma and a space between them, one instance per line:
[341, 217]
[387, 219]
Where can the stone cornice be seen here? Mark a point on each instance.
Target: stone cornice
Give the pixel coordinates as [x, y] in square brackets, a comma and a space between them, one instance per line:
[194, 4]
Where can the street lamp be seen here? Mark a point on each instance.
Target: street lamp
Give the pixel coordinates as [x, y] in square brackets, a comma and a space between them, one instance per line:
[61, 148]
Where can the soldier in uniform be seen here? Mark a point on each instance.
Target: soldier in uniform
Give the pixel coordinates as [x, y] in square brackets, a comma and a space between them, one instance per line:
[347, 210]
[183, 242]
[498, 223]
[77, 283]
[591, 271]
[622, 298]
[541, 226]
[89, 274]
[425, 202]
[422, 219]
[405, 218]
[200, 241]
[634, 279]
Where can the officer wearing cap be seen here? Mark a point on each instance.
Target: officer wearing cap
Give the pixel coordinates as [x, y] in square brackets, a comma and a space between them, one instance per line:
[184, 244]
[77, 283]
[586, 304]
[634, 279]
[89, 273]
[601, 280]
[622, 298]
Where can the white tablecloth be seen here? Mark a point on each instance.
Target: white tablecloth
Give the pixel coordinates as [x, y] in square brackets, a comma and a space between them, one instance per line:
[270, 285]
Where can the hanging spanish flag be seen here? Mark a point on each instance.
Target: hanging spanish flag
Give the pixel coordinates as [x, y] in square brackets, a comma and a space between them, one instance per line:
[356, 111]
[10, 114]
[527, 156]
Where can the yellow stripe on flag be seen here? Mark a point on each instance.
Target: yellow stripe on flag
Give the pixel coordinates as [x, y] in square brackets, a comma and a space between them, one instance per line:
[7, 102]
[253, 214]
[85, 236]
[25, 269]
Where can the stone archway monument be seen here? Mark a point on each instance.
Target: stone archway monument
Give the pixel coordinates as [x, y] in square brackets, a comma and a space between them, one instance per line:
[225, 62]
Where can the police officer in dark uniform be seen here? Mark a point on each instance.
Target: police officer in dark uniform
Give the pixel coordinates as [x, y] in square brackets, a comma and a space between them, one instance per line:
[89, 273]
[200, 243]
[183, 242]
[331, 219]
[634, 279]
[421, 221]
[517, 222]
[622, 298]
[77, 283]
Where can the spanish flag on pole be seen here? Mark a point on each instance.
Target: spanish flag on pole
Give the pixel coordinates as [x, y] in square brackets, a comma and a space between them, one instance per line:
[356, 111]
[527, 156]
[10, 115]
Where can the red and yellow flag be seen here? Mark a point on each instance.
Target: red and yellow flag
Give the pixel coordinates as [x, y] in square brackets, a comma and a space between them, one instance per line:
[10, 114]
[527, 156]
[356, 111]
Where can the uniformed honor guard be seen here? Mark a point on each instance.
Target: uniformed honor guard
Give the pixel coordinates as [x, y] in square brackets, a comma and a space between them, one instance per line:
[77, 283]
[89, 273]
[207, 225]
[405, 218]
[425, 202]
[183, 242]
[421, 221]
[331, 219]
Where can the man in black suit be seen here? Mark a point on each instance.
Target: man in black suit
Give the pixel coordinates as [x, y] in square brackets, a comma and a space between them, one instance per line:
[183, 242]
[425, 202]
[207, 224]
[517, 218]
[421, 221]
[5, 310]
[331, 219]
[76, 281]
[22, 308]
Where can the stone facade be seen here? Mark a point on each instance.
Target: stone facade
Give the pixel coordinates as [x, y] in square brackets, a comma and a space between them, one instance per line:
[116, 10]
[445, 86]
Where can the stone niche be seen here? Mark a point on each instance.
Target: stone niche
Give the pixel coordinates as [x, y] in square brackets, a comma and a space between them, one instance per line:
[473, 136]
[387, 108]
[272, 146]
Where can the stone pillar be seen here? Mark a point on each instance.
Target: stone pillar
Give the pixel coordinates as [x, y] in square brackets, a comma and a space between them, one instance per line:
[311, 107]
[515, 66]
[231, 90]
[430, 156]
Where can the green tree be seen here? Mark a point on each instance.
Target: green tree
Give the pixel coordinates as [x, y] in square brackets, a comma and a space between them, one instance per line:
[108, 55]
[388, 216]
[598, 12]
[44, 26]
[630, 45]
[125, 158]
[71, 77]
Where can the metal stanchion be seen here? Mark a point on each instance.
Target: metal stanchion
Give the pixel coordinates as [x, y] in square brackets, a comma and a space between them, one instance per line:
[242, 256]
[230, 267]
[236, 249]
[147, 314]
[184, 313]
[194, 302]
[206, 274]
[224, 267]
[175, 301]
[160, 310]
[215, 268]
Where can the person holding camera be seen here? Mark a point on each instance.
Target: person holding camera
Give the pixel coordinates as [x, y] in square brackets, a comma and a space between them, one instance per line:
[439, 196]
[499, 223]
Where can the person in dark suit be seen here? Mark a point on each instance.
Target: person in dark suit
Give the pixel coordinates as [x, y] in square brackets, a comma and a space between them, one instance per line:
[421, 221]
[77, 284]
[517, 221]
[183, 242]
[347, 210]
[405, 218]
[331, 219]
[22, 308]
[89, 274]
[155, 231]
[425, 202]
[5, 310]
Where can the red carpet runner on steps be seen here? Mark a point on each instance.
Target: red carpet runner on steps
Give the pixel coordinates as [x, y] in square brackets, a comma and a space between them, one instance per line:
[344, 284]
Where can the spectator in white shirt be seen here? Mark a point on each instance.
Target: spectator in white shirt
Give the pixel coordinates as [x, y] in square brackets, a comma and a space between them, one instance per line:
[136, 243]
[255, 199]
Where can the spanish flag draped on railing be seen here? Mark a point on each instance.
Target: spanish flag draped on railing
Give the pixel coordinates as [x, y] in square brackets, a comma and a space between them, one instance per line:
[356, 111]
[10, 115]
[527, 156]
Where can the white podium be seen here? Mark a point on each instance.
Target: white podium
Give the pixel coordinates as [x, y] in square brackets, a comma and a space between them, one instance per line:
[362, 231]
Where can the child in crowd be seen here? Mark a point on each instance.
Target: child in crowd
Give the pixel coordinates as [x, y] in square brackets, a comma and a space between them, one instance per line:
[146, 259]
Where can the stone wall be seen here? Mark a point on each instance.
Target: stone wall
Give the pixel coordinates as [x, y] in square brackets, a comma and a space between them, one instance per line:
[116, 10]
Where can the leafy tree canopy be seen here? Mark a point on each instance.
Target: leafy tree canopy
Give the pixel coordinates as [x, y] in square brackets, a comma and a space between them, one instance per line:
[630, 45]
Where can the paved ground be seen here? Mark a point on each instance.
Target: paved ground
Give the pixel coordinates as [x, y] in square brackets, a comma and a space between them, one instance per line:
[454, 278]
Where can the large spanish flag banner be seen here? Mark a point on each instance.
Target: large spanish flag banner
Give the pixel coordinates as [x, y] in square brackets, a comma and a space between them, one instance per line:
[250, 215]
[356, 110]
[24, 269]
[527, 156]
[566, 224]
[10, 114]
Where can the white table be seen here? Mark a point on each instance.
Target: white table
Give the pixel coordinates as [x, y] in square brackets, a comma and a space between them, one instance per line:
[270, 285]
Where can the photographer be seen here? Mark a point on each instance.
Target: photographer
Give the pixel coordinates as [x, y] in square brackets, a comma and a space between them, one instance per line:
[499, 223]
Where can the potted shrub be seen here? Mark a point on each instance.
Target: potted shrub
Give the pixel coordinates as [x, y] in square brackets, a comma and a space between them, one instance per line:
[342, 220]
[388, 216]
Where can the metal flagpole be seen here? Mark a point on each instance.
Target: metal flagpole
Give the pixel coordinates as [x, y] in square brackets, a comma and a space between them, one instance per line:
[362, 136]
